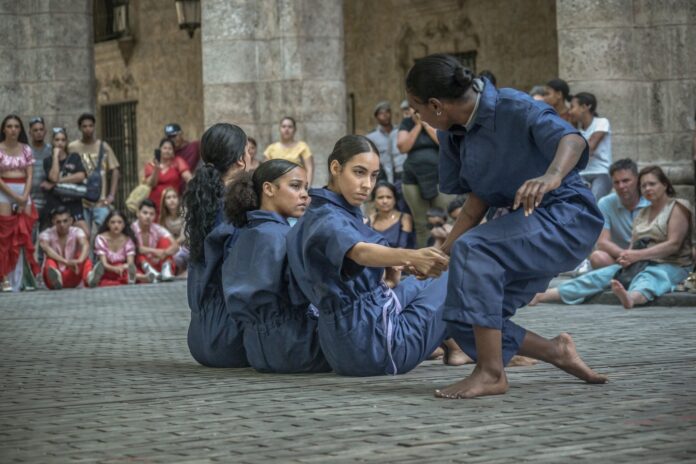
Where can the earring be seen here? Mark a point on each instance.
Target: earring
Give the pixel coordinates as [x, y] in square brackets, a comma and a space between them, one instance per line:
[438, 113]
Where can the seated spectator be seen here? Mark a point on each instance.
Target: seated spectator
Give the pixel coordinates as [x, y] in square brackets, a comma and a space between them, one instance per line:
[664, 229]
[538, 93]
[437, 224]
[252, 148]
[170, 218]
[167, 171]
[619, 209]
[557, 94]
[64, 168]
[115, 249]
[455, 207]
[66, 249]
[156, 245]
[597, 132]
[395, 226]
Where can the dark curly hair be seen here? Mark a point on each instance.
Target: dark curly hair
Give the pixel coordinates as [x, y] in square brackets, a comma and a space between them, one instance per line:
[126, 227]
[244, 194]
[222, 145]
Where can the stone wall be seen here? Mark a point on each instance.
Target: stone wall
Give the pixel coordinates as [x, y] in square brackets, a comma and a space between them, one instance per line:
[266, 59]
[516, 40]
[639, 58]
[46, 61]
[160, 69]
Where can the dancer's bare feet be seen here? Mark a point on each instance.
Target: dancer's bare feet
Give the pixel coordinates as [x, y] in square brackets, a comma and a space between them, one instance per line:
[453, 355]
[549, 296]
[622, 294]
[568, 359]
[439, 353]
[520, 361]
[479, 383]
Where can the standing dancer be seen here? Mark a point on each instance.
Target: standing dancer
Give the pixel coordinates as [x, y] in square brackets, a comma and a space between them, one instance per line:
[338, 261]
[505, 150]
[214, 338]
[280, 334]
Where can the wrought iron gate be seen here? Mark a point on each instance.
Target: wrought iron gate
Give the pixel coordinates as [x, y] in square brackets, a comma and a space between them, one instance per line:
[119, 131]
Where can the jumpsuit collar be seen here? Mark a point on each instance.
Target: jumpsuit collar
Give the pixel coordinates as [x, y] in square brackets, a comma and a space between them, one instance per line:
[336, 199]
[260, 216]
[484, 112]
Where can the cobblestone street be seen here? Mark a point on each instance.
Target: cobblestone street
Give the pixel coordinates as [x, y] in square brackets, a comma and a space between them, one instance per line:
[105, 375]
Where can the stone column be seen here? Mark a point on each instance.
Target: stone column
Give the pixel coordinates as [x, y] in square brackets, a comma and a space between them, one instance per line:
[639, 58]
[267, 59]
[47, 60]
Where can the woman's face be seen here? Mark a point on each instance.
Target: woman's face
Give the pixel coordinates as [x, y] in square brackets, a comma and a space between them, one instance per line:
[60, 141]
[116, 224]
[384, 200]
[167, 151]
[288, 194]
[577, 111]
[287, 130]
[356, 178]
[171, 201]
[12, 129]
[651, 188]
[552, 97]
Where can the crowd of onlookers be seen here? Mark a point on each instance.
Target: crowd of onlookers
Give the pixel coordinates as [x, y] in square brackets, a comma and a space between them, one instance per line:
[57, 199]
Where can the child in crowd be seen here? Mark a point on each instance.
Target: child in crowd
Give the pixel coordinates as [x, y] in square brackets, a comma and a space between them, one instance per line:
[66, 249]
[156, 245]
[280, 330]
[115, 249]
[172, 219]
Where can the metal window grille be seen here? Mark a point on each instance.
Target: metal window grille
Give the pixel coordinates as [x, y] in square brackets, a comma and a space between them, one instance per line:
[467, 59]
[109, 19]
[119, 131]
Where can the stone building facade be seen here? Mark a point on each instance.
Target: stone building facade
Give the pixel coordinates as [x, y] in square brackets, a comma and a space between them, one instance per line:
[328, 62]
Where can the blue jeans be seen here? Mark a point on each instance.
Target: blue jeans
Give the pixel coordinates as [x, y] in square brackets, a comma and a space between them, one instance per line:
[97, 215]
[655, 280]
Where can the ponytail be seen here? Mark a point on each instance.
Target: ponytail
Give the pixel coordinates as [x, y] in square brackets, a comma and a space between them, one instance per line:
[438, 76]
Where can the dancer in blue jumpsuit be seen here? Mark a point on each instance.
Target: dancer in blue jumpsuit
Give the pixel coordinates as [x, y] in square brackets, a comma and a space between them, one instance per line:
[365, 327]
[280, 328]
[504, 150]
[214, 338]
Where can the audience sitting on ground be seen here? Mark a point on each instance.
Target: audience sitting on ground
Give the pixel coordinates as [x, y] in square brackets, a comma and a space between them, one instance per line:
[156, 245]
[437, 224]
[659, 257]
[394, 225]
[619, 210]
[115, 249]
[172, 219]
[66, 250]
[597, 132]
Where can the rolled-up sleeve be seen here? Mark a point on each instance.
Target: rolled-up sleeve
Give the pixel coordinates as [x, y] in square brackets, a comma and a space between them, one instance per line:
[450, 165]
[547, 129]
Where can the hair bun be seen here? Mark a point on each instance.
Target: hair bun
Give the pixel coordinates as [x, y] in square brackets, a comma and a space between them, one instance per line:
[463, 76]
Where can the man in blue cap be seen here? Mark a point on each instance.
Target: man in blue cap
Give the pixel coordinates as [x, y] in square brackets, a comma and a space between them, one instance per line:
[189, 151]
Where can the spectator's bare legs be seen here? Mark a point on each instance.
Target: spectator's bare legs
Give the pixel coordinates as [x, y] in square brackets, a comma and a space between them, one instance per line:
[628, 299]
[549, 296]
[454, 356]
[600, 259]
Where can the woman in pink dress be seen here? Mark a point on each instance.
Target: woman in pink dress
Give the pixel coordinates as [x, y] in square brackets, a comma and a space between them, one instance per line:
[115, 252]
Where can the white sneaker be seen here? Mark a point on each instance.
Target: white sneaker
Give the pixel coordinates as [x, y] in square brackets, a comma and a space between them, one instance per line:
[55, 278]
[167, 275]
[151, 274]
[95, 275]
[584, 267]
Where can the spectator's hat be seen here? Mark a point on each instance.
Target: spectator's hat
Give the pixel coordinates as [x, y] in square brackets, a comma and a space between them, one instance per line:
[381, 106]
[172, 129]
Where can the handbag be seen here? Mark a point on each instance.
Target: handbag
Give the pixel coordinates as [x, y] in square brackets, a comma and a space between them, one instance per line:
[626, 274]
[137, 195]
[89, 190]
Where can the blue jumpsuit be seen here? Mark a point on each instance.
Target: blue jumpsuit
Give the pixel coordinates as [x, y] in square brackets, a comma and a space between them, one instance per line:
[499, 266]
[214, 338]
[365, 328]
[280, 331]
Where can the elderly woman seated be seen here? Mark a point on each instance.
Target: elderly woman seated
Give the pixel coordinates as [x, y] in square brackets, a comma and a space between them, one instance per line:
[660, 254]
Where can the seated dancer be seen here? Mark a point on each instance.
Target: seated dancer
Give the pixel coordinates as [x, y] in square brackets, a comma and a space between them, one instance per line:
[504, 150]
[665, 227]
[66, 248]
[214, 338]
[156, 246]
[365, 327]
[115, 249]
[280, 333]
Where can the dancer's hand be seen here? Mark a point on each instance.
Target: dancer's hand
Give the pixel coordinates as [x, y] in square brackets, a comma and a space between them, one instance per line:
[530, 194]
[428, 262]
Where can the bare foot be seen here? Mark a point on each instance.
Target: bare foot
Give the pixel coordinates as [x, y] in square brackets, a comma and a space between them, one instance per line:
[439, 353]
[479, 383]
[456, 358]
[535, 301]
[568, 359]
[519, 361]
[621, 293]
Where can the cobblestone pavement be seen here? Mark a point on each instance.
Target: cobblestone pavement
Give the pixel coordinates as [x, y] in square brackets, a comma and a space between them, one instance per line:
[104, 375]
